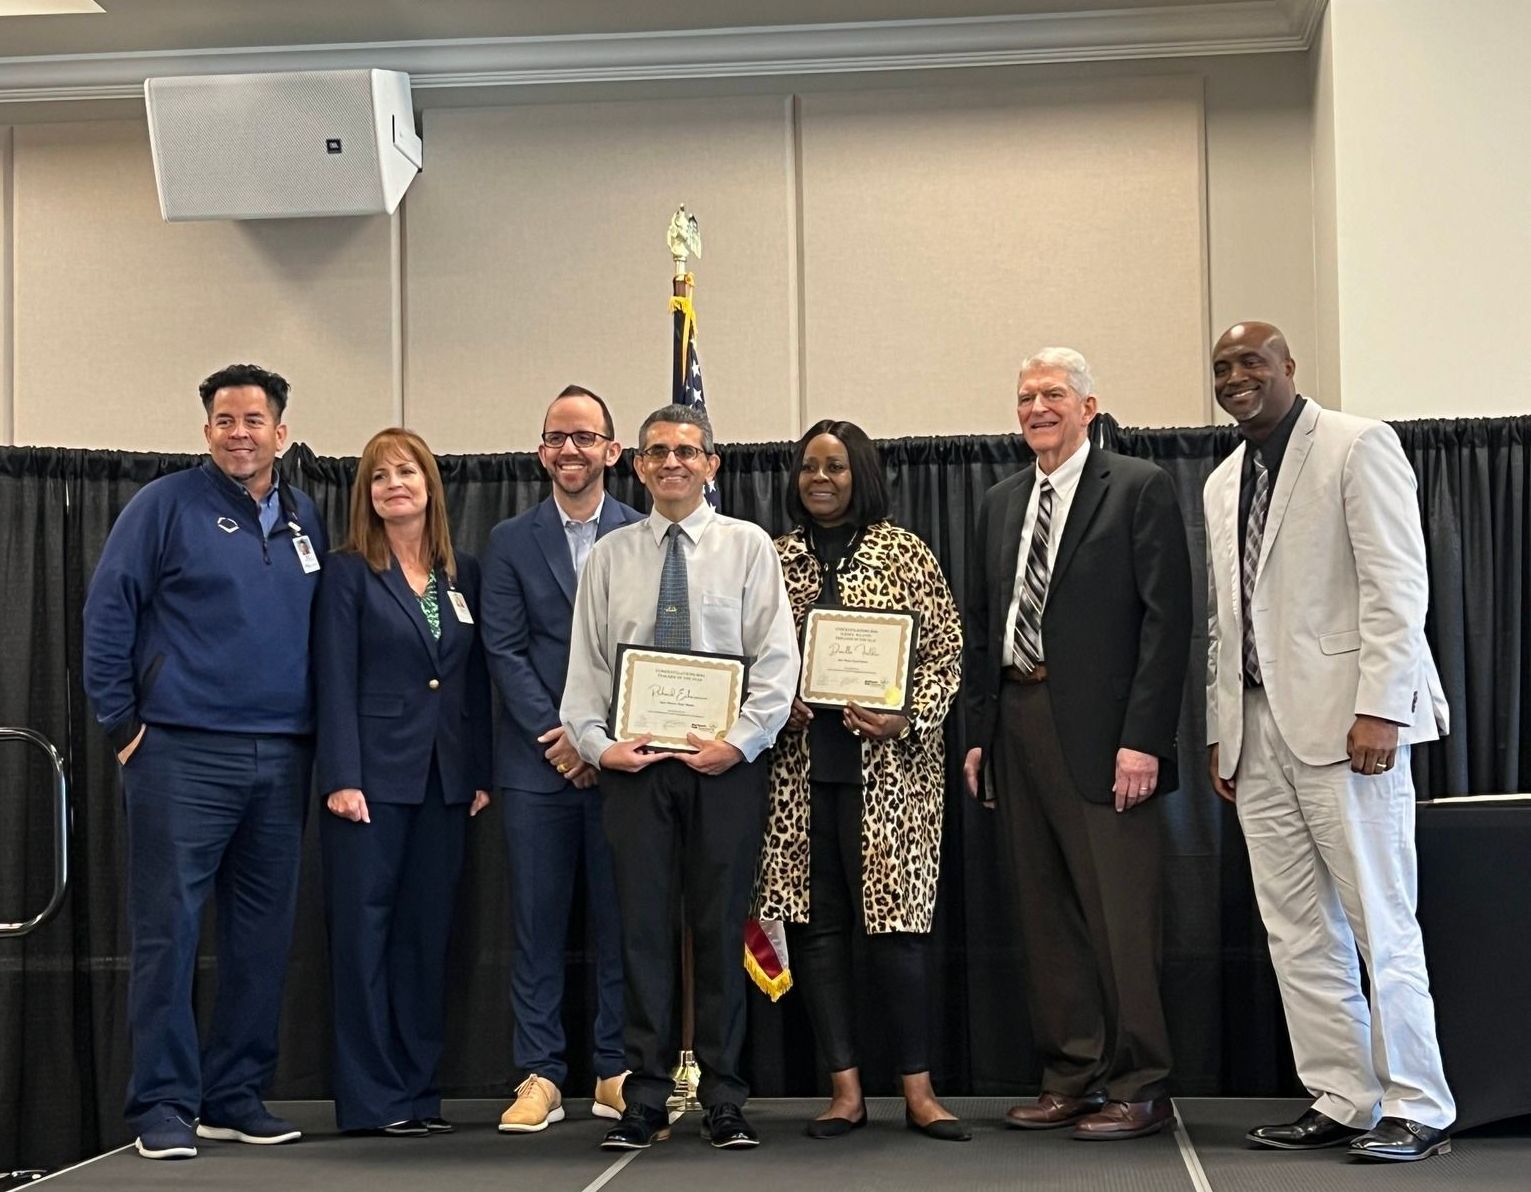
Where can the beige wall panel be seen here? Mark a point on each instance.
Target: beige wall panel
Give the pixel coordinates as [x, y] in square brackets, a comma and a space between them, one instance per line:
[1430, 183]
[119, 315]
[536, 257]
[1260, 200]
[947, 233]
[1322, 377]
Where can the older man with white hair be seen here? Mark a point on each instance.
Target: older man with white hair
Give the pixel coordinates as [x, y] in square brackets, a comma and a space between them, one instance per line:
[1079, 614]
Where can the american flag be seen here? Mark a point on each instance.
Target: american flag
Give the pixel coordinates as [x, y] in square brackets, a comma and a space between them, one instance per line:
[686, 386]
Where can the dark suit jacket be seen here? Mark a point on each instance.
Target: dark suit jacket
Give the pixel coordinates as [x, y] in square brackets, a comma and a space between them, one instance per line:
[528, 609]
[389, 693]
[1117, 627]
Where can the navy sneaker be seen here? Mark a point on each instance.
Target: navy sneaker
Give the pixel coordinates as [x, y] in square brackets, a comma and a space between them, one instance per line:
[165, 1134]
[257, 1126]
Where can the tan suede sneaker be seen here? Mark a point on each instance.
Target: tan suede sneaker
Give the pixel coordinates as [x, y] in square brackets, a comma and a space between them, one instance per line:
[608, 1101]
[538, 1105]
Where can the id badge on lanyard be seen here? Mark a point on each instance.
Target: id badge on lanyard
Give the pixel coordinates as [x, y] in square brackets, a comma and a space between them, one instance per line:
[308, 557]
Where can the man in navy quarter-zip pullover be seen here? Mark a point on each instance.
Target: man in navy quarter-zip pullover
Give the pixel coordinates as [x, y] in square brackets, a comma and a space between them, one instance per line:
[196, 664]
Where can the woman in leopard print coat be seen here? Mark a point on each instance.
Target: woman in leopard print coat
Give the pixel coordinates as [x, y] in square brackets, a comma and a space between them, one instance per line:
[854, 836]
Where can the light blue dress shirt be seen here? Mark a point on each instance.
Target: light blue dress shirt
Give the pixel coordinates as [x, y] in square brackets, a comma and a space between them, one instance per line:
[580, 534]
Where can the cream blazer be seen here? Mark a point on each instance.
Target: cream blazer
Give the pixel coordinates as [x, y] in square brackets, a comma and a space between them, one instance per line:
[1340, 595]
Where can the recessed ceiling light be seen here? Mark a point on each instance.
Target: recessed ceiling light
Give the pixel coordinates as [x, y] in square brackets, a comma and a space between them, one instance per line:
[46, 8]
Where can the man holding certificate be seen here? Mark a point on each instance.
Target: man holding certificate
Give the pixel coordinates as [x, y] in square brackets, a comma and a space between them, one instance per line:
[682, 666]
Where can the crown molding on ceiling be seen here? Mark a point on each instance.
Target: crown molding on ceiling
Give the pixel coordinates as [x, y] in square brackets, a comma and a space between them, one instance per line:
[1169, 31]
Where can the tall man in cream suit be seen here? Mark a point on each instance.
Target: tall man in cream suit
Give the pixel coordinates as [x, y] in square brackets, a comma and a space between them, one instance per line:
[1318, 681]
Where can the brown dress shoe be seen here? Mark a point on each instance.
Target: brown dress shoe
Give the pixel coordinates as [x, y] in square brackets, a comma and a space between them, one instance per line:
[1125, 1119]
[1053, 1110]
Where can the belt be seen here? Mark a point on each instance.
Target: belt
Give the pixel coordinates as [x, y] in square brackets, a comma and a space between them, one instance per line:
[1037, 674]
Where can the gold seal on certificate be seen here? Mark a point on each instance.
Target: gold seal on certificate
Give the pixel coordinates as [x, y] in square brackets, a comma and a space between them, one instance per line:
[667, 694]
[859, 655]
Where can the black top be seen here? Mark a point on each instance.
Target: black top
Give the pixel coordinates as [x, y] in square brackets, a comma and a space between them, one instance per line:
[1271, 452]
[834, 754]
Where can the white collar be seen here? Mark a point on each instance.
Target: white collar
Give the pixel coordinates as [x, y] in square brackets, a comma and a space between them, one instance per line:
[691, 525]
[1066, 475]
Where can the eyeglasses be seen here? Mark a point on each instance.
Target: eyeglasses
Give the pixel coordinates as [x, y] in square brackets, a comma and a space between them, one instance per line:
[583, 439]
[658, 453]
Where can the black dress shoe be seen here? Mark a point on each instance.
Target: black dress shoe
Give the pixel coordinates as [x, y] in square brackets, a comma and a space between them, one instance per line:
[1400, 1141]
[945, 1129]
[1311, 1132]
[835, 1127]
[637, 1129]
[409, 1128]
[726, 1127]
[437, 1125]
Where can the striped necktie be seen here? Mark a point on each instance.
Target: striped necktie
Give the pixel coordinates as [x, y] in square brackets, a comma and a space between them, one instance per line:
[672, 615]
[1254, 535]
[1027, 645]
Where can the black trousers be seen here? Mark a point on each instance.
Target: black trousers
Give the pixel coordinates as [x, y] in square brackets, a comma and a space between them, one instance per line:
[820, 949]
[1089, 892]
[667, 823]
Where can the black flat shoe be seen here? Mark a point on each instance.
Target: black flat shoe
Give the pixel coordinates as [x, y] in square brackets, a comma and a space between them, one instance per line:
[1310, 1132]
[945, 1129]
[437, 1125]
[1399, 1140]
[834, 1127]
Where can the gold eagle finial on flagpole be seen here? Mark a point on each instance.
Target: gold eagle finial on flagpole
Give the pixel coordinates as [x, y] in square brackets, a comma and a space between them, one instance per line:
[685, 238]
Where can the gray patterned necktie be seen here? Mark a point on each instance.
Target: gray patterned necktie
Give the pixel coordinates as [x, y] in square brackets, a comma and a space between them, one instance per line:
[1027, 646]
[672, 616]
[1254, 535]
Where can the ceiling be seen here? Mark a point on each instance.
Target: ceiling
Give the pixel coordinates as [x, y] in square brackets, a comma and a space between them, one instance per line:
[458, 43]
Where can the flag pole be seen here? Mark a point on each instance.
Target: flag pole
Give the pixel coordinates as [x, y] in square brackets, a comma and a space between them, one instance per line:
[685, 241]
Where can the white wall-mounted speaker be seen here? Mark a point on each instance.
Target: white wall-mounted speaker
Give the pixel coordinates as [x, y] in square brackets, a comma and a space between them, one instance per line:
[276, 146]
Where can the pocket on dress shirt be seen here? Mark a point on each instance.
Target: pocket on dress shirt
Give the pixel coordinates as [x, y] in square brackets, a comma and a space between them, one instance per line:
[721, 621]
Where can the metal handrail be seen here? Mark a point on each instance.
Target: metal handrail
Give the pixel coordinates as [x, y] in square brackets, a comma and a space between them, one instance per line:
[60, 833]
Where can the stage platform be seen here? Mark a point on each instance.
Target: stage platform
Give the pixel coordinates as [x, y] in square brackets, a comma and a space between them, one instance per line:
[1207, 1153]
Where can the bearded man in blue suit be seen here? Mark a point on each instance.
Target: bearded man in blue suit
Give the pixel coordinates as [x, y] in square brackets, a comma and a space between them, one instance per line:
[552, 811]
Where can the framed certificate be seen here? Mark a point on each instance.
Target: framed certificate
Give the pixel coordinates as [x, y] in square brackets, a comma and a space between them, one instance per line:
[666, 694]
[863, 655]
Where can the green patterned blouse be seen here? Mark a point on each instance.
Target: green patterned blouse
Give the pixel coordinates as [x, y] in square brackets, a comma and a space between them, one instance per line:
[430, 606]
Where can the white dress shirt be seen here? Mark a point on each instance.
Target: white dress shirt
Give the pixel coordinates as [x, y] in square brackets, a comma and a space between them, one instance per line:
[1064, 480]
[738, 606]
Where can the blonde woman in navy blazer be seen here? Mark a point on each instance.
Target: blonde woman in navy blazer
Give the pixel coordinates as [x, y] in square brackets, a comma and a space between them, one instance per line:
[403, 760]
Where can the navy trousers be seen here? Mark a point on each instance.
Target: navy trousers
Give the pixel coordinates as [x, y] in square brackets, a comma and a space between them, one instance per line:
[210, 811]
[390, 886]
[547, 835]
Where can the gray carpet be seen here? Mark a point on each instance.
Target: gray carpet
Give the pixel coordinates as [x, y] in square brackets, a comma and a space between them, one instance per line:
[565, 1158]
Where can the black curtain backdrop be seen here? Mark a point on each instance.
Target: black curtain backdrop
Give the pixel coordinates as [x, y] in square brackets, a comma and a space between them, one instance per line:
[63, 1044]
